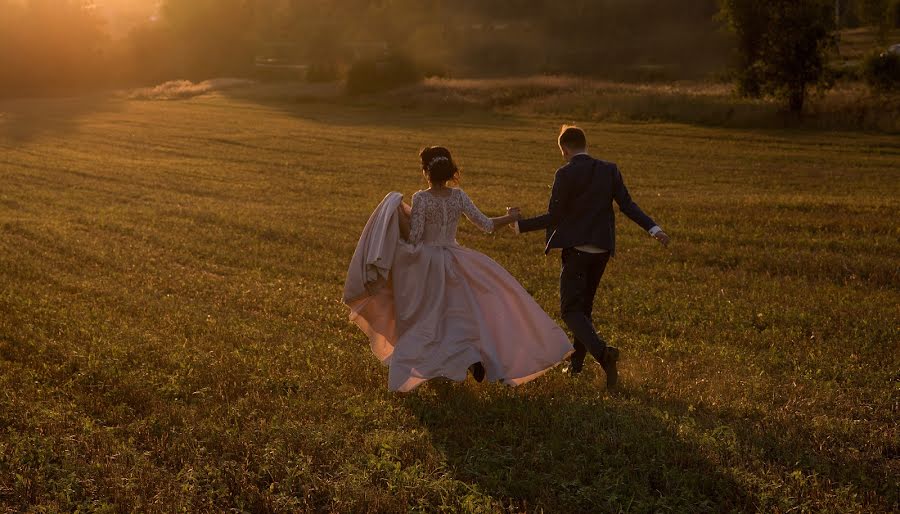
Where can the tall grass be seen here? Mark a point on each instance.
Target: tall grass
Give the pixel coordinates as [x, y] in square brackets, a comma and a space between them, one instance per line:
[849, 106]
[181, 89]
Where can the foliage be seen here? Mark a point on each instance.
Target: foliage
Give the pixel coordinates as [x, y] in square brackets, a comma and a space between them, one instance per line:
[323, 72]
[50, 45]
[373, 75]
[633, 40]
[782, 46]
[878, 13]
[212, 37]
[171, 338]
[58, 44]
[873, 12]
[881, 71]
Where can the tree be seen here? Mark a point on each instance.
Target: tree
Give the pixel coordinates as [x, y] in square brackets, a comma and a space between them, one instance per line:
[782, 46]
[876, 13]
[50, 45]
[211, 36]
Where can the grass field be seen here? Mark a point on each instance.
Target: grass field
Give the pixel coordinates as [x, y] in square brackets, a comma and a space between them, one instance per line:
[172, 337]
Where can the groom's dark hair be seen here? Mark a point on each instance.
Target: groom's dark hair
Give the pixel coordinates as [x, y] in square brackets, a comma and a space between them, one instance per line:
[572, 137]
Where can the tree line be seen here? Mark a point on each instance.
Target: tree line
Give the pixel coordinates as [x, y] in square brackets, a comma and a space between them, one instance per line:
[59, 44]
[62, 45]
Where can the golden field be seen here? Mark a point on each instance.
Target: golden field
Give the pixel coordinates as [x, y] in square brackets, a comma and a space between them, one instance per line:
[172, 337]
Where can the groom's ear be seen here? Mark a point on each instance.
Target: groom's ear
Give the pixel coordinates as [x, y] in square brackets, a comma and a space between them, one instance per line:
[568, 151]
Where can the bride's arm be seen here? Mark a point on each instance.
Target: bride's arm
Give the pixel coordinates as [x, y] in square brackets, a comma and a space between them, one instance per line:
[502, 221]
[483, 222]
[403, 217]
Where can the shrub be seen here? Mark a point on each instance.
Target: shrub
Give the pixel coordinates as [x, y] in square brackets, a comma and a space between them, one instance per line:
[882, 71]
[373, 75]
[323, 72]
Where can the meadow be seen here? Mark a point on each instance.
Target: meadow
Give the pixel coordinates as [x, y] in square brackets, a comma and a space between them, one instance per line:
[172, 337]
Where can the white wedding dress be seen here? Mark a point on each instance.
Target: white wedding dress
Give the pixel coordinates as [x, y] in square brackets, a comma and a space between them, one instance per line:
[453, 307]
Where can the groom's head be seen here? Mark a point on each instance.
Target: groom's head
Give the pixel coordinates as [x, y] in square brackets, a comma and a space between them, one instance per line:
[571, 141]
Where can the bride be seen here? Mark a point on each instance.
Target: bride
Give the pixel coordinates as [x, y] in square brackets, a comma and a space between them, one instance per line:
[432, 308]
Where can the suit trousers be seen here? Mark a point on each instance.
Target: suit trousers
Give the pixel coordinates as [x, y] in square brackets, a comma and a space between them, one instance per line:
[578, 281]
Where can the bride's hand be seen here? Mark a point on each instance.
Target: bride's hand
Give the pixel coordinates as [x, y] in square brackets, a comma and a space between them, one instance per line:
[514, 213]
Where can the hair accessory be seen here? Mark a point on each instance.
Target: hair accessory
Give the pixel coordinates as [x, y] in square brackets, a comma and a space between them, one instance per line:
[436, 160]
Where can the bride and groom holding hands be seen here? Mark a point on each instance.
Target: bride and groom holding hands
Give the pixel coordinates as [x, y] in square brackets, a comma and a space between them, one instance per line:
[432, 308]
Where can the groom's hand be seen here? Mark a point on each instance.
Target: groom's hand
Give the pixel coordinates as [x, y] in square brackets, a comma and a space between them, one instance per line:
[662, 237]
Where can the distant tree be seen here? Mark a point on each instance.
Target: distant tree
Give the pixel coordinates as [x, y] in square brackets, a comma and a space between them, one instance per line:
[50, 45]
[211, 36]
[876, 13]
[782, 46]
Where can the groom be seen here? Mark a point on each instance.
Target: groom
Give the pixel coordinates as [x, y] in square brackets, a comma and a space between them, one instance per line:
[580, 221]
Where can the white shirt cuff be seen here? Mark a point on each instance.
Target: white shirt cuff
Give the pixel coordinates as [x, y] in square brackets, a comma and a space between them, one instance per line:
[515, 226]
[655, 230]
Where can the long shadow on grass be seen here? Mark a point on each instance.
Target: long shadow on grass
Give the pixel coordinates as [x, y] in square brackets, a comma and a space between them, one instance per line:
[24, 119]
[790, 445]
[569, 453]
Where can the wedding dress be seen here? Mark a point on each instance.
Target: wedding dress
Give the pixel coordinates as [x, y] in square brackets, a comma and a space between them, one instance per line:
[443, 307]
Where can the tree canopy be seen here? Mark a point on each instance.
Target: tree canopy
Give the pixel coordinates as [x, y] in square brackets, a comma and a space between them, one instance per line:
[782, 46]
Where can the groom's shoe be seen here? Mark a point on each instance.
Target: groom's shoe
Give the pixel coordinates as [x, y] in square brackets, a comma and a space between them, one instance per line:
[576, 364]
[610, 358]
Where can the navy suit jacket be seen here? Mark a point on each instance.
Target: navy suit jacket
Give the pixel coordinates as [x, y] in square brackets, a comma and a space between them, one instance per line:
[581, 206]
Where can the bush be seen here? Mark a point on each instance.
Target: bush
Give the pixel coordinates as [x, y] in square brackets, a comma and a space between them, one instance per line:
[373, 75]
[882, 71]
[323, 72]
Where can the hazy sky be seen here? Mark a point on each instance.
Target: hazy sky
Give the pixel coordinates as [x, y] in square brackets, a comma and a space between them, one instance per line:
[125, 14]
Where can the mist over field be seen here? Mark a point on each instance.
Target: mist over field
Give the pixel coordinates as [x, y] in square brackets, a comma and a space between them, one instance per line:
[183, 184]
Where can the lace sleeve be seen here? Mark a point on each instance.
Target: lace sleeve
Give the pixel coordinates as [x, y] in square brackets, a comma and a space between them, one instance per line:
[417, 219]
[474, 215]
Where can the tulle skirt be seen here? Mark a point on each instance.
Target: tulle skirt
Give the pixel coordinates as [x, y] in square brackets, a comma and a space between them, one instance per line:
[445, 308]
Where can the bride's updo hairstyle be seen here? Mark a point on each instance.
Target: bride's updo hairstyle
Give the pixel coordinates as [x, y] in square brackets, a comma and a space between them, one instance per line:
[438, 165]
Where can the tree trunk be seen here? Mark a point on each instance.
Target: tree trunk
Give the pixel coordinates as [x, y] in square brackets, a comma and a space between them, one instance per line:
[837, 25]
[796, 98]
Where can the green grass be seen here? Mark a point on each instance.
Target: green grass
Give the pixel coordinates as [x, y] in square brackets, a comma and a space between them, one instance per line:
[172, 337]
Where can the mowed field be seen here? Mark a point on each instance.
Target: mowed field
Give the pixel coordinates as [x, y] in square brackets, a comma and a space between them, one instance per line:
[172, 336]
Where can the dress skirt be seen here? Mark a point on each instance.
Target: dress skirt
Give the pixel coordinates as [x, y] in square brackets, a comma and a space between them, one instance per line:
[446, 307]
